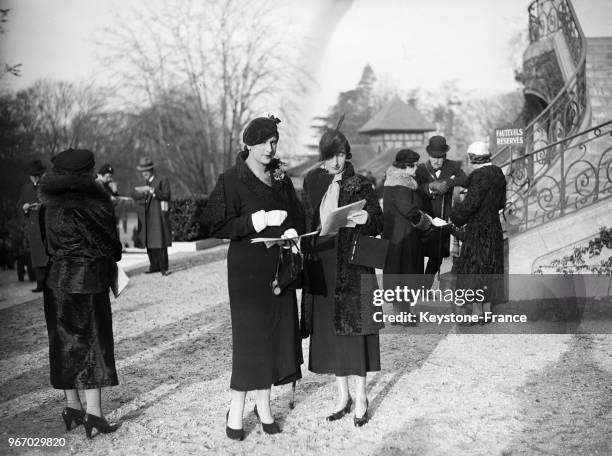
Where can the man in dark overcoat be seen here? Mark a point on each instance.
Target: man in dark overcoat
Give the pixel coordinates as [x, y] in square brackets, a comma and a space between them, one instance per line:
[437, 178]
[154, 215]
[29, 208]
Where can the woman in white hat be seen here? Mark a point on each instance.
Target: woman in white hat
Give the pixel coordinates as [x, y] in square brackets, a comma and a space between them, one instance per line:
[481, 262]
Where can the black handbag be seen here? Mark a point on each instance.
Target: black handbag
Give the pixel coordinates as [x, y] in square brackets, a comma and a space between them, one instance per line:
[369, 251]
[288, 274]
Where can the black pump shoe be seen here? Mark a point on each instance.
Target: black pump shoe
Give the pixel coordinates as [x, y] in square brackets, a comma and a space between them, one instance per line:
[234, 434]
[271, 428]
[103, 426]
[71, 415]
[363, 419]
[339, 414]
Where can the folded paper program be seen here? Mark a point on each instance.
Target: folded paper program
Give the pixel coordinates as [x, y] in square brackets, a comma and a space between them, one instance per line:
[270, 241]
[338, 218]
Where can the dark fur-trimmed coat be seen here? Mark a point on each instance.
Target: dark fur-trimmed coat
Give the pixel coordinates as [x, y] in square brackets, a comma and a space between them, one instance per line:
[350, 316]
[81, 234]
[481, 262]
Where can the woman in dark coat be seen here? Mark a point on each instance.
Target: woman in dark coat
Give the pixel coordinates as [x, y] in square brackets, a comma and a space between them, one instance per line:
[255, 198]
[404, 222]
[82, 242]
[481, 262]
[343, 334]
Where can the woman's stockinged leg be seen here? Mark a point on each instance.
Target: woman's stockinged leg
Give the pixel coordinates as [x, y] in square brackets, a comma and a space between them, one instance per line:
[361, 397]
[94, 401]
[262, 400]
[343, 393]
[72, 399]
[236, 409]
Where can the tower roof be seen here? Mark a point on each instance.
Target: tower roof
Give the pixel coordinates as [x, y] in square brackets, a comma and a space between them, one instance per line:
[397, 116]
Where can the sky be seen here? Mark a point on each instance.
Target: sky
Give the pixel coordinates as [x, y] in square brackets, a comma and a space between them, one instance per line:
[409, 43]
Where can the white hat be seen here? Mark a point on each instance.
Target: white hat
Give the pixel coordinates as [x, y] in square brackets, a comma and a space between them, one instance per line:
[479, 149]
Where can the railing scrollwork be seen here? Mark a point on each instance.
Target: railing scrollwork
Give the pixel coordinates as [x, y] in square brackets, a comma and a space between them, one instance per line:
[583, 178]
[564, 114]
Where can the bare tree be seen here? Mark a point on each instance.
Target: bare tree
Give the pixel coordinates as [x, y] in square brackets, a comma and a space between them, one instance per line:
[47, 117]
[201, 70]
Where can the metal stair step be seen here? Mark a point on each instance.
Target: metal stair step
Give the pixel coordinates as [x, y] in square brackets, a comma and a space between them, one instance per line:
[599, 59]
[607, 73]
[605, 100]
[599, 91]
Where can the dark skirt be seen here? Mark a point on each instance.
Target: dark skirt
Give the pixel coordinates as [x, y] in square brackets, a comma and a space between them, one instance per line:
[329, 352]
[81, 348]
[266, 340]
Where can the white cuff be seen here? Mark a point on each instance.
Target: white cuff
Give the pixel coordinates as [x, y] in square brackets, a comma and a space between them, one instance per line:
[259, 220]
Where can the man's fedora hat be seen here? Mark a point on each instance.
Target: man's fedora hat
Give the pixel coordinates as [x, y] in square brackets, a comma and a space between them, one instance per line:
[35, 168]
[145, 164]
[437, 147]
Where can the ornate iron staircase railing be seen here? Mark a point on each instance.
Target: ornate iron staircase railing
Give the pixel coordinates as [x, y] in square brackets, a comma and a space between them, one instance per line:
[582, 178]
[566, 112]
[563, 167]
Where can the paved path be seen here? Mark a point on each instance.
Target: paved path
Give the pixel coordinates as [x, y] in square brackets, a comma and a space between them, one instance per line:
[436, 395]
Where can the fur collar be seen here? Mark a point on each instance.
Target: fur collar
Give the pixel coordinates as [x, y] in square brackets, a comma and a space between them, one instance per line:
[69, 190]
[398, 177]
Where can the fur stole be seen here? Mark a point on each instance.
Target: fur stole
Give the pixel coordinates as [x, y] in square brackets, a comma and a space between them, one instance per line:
[72, 191]
[398, 177]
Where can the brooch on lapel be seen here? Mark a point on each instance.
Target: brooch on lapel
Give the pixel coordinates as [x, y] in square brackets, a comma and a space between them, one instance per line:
[353, 184]
[278, 174]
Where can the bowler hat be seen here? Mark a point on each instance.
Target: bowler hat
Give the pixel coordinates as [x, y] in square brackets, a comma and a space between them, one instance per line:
[35, 168]
[74, 161]
[405, 157]
[145, 164]
[437, 147]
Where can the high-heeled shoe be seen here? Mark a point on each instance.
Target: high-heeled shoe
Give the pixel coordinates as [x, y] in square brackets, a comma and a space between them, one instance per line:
[271, 428]
[340, 413]
[234, 434]
[363, 419]
[71, 415]
[98, 422]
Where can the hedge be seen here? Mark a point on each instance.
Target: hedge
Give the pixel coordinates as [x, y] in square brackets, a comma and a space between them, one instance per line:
[186, 219]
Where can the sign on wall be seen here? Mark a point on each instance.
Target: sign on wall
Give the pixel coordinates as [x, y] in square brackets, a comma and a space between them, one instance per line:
[509, 136]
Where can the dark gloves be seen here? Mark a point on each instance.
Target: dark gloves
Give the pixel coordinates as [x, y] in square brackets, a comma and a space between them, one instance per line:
[421, 221]
[439, 187]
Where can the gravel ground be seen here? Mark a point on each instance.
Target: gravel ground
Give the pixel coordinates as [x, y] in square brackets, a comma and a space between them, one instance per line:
[437, 394]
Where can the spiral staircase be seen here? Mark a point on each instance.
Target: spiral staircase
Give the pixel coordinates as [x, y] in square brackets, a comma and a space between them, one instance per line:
[560, 182]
